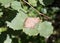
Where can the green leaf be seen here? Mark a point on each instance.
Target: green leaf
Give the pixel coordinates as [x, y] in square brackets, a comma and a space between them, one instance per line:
[1, 13]
[25, 8]
[32, 13]
[44, 10]
[16, 5]
[46, 2]
[2, 29]
[33, 2]
[8, 40]
[6, 3]
[31, 31]
[18, 21]
[41, 2]
[45, 29]
[30, 27]
[55, 9]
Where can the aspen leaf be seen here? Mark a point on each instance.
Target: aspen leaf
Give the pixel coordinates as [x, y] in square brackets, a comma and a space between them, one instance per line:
[18, 21]
[45, 29]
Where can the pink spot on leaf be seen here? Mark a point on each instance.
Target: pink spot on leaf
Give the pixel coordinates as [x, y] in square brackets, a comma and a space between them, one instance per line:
[31, 22]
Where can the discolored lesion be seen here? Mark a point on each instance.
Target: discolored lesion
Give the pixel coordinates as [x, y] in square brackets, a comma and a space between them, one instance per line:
[31, 22]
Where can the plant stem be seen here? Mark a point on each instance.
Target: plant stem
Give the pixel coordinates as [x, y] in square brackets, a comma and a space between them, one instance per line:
[37, 10]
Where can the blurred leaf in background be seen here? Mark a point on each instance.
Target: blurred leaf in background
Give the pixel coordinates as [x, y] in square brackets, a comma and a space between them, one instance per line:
[8, 39]
[1, 13]
[2, 29]
[6, 3]
[46, 2]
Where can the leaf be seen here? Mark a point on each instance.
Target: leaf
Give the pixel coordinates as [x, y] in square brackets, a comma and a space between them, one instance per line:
[45, 29]
[25, 8]
[31, 31]
[41, 2]
[6, 3]
[44, 10]
[33, 2]
[18, 21]
[32, 13]
[2, 29]
[16, 5]
[8, 40]
[55, 9]
[46, 2]
[31, 25]
[1, 13]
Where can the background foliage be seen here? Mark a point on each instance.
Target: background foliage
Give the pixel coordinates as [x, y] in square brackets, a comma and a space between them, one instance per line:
[13, 14]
